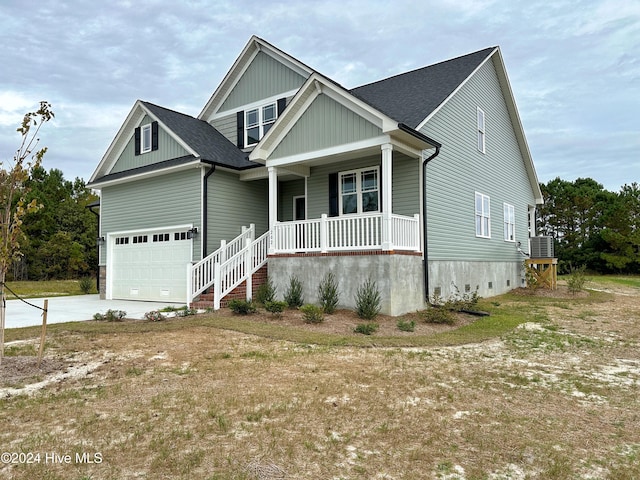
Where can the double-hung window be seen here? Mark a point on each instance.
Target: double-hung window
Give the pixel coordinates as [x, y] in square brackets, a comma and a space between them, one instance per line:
[483, 216]
[481, 131]
[258, 121]
[509, 223]
[359, 191]
[145, 138]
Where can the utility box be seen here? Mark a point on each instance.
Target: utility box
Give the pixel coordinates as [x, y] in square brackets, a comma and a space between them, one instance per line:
[541, 247]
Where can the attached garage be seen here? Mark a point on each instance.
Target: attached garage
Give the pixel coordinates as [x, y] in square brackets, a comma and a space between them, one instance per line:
[149, 265]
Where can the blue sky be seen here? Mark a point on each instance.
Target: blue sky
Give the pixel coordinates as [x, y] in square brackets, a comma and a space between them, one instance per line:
[574, 65]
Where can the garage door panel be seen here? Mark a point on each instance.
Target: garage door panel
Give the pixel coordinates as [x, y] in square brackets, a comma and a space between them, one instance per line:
[150, 270]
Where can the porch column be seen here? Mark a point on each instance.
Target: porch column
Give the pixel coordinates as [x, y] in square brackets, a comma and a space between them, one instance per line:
[387, 154]
[273, 205]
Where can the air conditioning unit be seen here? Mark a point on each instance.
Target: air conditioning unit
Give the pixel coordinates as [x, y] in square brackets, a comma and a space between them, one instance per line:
[541, 247]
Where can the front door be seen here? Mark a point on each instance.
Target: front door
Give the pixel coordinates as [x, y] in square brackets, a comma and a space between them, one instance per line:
[299, 210]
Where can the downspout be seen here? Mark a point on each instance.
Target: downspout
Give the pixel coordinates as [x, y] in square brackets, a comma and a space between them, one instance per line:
[425, 265]
[205, 192]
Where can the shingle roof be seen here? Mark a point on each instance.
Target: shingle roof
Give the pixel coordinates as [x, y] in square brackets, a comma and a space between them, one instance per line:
[410, 97]
[203, 138]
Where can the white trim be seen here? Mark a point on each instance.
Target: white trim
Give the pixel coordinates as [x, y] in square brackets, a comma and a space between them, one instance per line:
[145, 128]
[481, 130]
[251, 49]
[482, 214]
[329, 152]
[249, 106]
[457, 89]
[155, 173]
[260, 124]
[110, 244]
[358, 192]
[505, 222]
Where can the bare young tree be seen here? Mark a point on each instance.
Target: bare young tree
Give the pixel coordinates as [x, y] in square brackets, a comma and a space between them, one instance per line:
[13, 206]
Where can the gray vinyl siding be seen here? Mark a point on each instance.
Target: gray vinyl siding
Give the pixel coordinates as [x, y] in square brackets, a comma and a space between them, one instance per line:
[156, 202]
[227, 126]
[233, 204]
[326, 123]
[461, 170]
[286, 192]
[264, 78]
[168, 148]
[405, 184]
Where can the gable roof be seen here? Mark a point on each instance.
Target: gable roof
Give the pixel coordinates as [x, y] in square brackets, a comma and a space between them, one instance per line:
[251, 49]
[208, 143]
[412, 96]
[202, 141]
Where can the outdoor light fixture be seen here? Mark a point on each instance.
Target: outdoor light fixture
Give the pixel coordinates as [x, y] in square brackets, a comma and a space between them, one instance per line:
[191, 233]
[100, 240]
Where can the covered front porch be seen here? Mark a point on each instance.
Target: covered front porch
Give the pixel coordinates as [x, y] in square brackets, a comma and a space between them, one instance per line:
[370, 202]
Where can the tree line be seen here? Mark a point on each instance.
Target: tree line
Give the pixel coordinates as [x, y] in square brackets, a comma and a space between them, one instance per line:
[591, 226]
[60, 237]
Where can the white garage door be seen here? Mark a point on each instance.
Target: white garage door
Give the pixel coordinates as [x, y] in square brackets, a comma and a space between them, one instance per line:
[150, 265]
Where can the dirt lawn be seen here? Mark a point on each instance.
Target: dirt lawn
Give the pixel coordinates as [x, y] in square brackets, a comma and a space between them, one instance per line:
[556, 398]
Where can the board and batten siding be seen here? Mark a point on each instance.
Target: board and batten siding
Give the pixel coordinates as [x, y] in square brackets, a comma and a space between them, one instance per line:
[168, 148]
[264, 78]
[232, 204]
[405, 184]
[326, 123]
[158, 202]
[461, 170]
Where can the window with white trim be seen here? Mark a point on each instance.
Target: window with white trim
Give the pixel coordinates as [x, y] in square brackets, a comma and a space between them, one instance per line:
[483, 216]
[258, 121]
[145, 138]
[481, 131]
[359, 191]
[509, 223]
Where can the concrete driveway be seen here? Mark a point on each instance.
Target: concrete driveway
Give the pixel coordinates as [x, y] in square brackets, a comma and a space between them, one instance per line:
[74, 309]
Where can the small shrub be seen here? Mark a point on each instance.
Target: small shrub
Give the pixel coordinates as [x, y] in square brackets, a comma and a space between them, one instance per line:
[110, 316]
[368, 300]
[275, 308]
[293, 296]
[154, 316]
[439, 315]
[406, 326]
[242, 307]
[576, 280]
[266, 292]
[185, 312]
[328, 294]
[312, 313]
[85, 284]
[366, 328]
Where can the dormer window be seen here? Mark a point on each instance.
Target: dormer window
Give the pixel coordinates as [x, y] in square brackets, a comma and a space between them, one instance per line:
[146, 138]
[258, 121]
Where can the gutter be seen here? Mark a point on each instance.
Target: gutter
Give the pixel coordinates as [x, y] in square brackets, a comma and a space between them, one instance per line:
[425, 265]
[205, 193]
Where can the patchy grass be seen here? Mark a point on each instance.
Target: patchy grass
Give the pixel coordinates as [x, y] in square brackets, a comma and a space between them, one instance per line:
[533, 391]
[627, 281]
[49, 288]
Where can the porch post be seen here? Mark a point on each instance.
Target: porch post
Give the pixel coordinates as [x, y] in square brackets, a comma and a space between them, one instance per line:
[273, 205]
[387, 153]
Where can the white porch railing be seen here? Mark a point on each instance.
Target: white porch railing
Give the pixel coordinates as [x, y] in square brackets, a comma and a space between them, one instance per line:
[228, 275]
[349, 232]
[202, 273]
